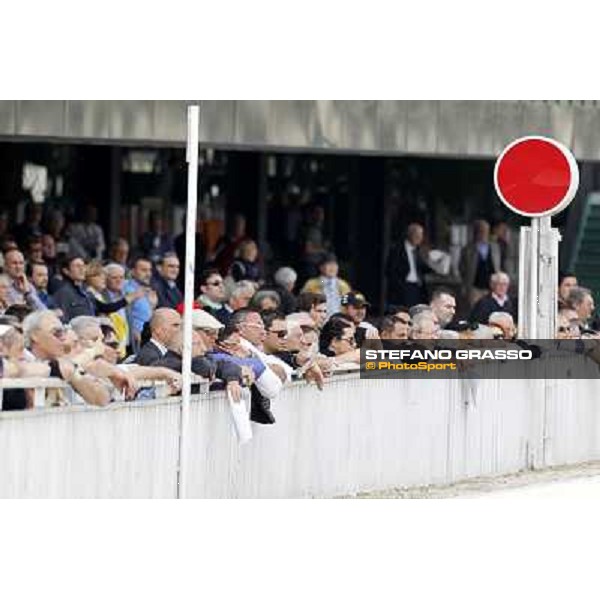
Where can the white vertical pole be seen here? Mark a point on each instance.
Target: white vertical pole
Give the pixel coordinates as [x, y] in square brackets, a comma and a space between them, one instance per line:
[524, 291]
[547, 279]
[193, 127]
[533, 298]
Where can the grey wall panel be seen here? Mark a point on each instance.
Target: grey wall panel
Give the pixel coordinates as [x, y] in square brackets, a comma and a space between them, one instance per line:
[480, 128]
[421, 126]
[360, 124]
[288, 123]
[252, 117]
[452, 127]
[509, 124]
[536, 119]
[132, 120]
[561, 124]
[392, 125]
[458, 128]
[586, 138]
[88, 118]
[8, 117]
[218, 121]
[41, 115]
[327, 123]
[170, 120]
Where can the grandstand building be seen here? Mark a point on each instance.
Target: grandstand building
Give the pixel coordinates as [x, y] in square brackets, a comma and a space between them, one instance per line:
[381, 163]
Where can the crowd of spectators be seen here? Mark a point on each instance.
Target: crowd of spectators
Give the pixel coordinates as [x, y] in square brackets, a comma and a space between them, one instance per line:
[108, 323]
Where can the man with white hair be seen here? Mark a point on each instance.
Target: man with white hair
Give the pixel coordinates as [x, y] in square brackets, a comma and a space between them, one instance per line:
[241, 294]
[568, 324]
[115, 279]
[504, 322]
[424, 327]
[580, 299]
[497, 300]
[285, 279]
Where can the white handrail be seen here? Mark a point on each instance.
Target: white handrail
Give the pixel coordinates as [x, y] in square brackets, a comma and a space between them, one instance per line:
[41, 384]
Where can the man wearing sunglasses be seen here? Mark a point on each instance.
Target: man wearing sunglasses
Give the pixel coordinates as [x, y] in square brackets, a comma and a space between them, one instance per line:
[568, 325]
[276, 332]
[251, 328]
[212, 298]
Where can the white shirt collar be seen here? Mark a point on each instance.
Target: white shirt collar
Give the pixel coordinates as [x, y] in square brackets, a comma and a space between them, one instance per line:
[500, 300]
[163, 349]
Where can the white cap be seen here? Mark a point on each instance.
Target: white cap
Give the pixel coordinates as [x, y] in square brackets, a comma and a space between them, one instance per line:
[5, 329]
[203, 320]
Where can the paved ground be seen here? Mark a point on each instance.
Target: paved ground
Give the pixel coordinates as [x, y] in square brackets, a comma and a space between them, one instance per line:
[579, 481]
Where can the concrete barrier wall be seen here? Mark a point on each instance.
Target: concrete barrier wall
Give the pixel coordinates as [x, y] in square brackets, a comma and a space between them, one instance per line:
[122, 451]
[366, 435]
[356, 435]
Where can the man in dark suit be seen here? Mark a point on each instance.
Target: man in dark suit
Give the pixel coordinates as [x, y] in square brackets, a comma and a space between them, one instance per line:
[165, 325]
[479, 259]
[164, 282]
[155, 242]
[406, 268]
[496, 301]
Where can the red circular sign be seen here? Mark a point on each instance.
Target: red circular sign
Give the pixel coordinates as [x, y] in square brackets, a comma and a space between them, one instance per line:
[536, 176]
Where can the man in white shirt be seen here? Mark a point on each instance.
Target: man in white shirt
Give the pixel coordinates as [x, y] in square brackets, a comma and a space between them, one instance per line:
[251, 328]
[406, 268]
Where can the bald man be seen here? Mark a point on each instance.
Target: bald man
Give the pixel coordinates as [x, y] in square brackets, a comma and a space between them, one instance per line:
[406, 269]
[165, 325]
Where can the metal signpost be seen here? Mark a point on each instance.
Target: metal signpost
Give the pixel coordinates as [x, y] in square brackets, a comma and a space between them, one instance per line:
[537, 177]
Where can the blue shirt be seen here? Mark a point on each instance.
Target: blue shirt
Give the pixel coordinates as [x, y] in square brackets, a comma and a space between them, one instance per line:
[483, 248]
[140, 311]
[332, 295]
[257, 366]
